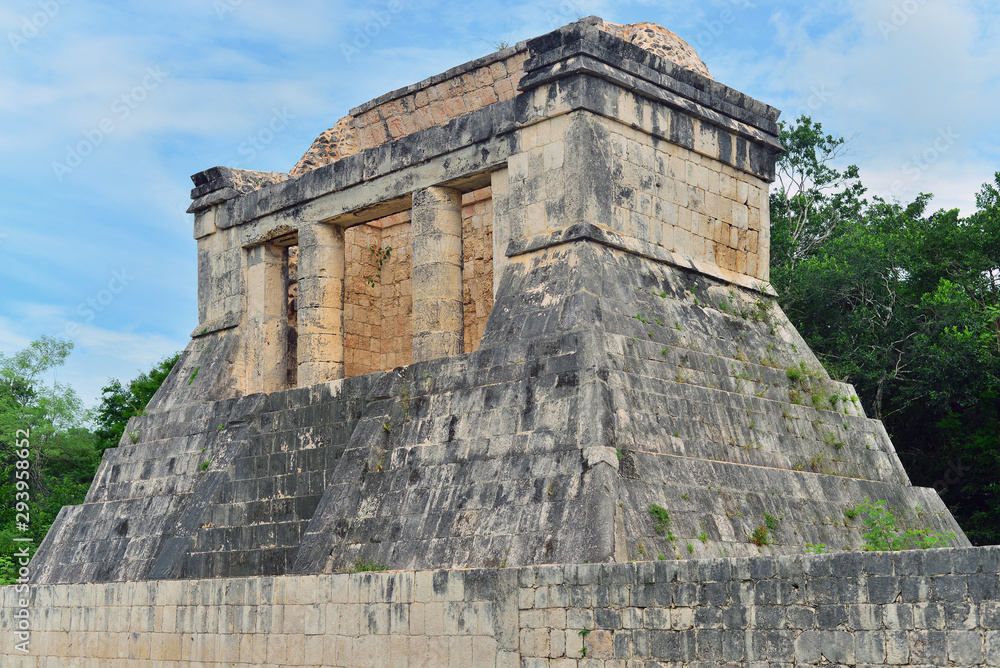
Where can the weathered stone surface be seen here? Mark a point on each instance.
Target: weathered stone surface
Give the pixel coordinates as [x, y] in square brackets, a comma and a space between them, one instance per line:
[538, 616]
[338, 142]
[657, 39]
[464, 89]
[487, 458]
[625, 392]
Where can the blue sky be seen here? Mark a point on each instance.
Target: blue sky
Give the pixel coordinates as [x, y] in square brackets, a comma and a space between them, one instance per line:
[109, 107]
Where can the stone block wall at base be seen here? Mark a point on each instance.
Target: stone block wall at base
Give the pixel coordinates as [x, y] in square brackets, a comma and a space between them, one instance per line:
[934, 607]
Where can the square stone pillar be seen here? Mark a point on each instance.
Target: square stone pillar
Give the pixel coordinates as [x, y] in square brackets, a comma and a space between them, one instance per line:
[320, 304]
[266, 341]
[438, 326]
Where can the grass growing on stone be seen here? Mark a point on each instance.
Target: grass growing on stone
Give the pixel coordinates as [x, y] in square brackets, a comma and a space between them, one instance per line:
[661, 517]
[365, 565]
[759, 536]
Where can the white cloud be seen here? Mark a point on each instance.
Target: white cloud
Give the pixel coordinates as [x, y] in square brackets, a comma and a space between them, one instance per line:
[897, 79]
[124, 206]
[98, 353]
[11, 339]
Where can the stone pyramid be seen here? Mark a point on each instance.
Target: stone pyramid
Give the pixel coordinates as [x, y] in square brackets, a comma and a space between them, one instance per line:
[571, 353]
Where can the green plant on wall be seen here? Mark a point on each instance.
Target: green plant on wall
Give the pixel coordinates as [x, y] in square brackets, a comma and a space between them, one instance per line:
[662, 519]
[366, 565]
[583, 633]
[380, 255]
[760, 537]
[883, 535]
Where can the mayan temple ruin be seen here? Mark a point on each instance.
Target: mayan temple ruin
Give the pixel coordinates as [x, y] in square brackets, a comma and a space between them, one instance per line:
[494, 376]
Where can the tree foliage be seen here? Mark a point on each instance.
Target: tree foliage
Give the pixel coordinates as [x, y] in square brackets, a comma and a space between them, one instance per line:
[60, 455]
[119, 403]
[63, 454]
[905, 304]
[811, 197]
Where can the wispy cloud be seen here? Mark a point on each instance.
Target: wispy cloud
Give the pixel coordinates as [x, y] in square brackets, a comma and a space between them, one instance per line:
[228, 71]
[933, 70]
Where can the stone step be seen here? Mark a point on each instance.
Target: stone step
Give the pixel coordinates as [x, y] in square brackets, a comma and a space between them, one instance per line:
[282, 532]
[685, 419]
[811, 386]
[728, 502]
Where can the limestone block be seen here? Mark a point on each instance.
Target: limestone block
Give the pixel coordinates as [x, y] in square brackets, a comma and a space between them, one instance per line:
[438, 324]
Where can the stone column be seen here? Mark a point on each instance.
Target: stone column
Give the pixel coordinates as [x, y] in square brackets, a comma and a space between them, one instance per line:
[320, 304]
[266, 341]
[438, 327]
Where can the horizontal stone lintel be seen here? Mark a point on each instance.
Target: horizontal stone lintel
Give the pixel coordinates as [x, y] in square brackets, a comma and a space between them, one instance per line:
[585, 64]
[629, 60]
[589, 232]
[227, 321]
[218, 184]
[211, 199]
[481, 132]
[464, 149]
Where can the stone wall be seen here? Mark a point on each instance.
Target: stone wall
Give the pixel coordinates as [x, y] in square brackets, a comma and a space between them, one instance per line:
[440, 99]
[579, 126]
[682, 196]
[690, 202]
[378, 325]
[363, 299]
[396, 293]
[937, 607]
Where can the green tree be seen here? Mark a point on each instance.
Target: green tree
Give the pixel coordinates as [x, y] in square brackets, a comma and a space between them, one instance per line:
[26, 403]
[948, 420]
[121, 402]
[904, 304]
[811, 197]
[64, 454]
[43, 425]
